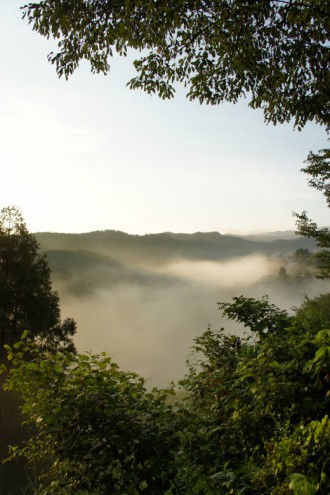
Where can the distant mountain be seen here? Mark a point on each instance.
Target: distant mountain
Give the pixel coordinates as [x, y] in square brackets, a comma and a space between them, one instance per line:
[271, 236]
[155, 249]
[83, 263]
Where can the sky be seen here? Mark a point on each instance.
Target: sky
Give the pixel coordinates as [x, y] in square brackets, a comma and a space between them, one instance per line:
[90, 154]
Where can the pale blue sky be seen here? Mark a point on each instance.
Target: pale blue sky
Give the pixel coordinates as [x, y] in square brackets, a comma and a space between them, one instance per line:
[89, 154]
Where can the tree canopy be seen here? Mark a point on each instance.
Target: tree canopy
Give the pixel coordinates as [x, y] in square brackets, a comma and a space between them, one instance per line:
[27, 300]
[318, 170]
[274, 52]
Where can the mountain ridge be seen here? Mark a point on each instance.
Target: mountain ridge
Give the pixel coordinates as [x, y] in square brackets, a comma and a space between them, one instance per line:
[157, 248]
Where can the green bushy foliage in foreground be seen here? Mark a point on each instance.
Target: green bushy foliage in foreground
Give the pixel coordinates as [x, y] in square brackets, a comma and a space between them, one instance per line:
[254, 420]
[98, 430]
[257, 402]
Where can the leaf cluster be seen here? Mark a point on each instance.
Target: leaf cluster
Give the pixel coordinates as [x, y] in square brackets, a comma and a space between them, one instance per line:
[274, 52]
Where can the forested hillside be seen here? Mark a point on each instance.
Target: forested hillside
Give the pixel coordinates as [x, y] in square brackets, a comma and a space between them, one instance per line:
[159, 248]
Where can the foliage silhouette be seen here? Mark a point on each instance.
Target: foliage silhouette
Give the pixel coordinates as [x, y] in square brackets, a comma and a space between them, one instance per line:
[274, 52]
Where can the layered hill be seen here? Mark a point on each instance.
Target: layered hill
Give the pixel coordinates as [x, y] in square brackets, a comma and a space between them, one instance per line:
[103, 259]
[153, 249]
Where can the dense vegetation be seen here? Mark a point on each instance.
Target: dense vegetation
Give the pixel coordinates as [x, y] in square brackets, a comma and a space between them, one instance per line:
[254, 419]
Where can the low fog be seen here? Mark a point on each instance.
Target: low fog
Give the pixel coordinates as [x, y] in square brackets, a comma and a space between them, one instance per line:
[148, 323]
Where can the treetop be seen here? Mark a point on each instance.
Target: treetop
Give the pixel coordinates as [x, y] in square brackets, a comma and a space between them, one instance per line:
[275, 53]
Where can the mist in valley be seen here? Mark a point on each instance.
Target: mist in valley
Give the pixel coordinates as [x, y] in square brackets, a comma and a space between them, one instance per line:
[146, 317]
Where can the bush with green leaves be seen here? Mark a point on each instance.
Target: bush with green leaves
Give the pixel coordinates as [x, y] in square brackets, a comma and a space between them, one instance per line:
[254, 420]
[97, 429]
[255, 399]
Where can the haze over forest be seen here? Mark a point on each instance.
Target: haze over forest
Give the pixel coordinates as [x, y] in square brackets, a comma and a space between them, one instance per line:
[144, 298]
